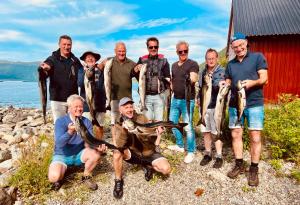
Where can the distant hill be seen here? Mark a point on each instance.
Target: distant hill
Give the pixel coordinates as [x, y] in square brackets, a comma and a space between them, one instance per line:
[23, 71]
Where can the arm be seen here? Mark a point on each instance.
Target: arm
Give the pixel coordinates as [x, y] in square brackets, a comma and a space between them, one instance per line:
[63, 133]
[194, 73]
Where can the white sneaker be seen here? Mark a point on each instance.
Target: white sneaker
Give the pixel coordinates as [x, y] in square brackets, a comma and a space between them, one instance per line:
[189, 157]
[176, 148]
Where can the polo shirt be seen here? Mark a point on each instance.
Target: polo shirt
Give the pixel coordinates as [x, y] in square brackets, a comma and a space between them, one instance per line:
[246, 69]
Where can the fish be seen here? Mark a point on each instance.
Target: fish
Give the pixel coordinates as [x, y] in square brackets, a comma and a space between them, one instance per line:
[142, 86]
[168, 96]
[187, 95]
[220, 109]
[43, 91]
[90, 87]
[149, 128]
[206, 89]
[107, 82]
[197, 90]
[241, 100]
[89, 138]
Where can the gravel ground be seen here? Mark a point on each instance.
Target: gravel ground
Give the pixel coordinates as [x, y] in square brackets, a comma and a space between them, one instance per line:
[180, 186]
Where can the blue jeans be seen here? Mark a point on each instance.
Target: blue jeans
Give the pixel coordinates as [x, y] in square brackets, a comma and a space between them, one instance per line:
[254, 116]
[178, 107]
[155, 106]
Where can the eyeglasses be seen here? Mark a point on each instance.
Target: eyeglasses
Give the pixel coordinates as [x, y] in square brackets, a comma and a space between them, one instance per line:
[153, 47]
[183, 51]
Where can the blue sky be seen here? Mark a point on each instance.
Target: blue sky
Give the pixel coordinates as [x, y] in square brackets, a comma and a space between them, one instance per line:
[29, 29]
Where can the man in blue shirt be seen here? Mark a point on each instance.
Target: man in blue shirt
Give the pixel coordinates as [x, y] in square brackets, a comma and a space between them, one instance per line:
[69, 147]
[251, 69]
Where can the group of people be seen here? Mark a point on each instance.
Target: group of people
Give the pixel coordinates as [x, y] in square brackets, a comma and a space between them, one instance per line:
[66, 74]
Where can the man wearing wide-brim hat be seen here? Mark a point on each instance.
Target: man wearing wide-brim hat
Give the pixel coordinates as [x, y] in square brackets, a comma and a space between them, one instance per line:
[89, 70]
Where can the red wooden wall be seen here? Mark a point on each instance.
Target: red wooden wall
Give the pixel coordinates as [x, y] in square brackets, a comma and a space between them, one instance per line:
[283, 58]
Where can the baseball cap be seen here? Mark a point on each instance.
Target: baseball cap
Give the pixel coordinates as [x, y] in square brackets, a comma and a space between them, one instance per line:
[125, 100]
[238, 36]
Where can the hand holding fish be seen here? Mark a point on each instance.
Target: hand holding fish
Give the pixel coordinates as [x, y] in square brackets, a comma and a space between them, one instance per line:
[193, 77]
[137, 68]
[101, 65]
[45, 66]
[248, 83]
[71, 129]
[160, 130]
[102, 148]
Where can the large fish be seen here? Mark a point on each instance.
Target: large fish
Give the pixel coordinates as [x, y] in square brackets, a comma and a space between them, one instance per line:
[197, 89]
[90, 87]
[142, 86]
[241, 100]
[187, 94]
[43, 91]
[205, 97]
[220, 109]
[107, 82]
[168, 96]
[149, 128]
[88, 138]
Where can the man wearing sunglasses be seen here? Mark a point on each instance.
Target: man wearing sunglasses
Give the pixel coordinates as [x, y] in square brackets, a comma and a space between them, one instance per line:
[157, 81]
[184, 71]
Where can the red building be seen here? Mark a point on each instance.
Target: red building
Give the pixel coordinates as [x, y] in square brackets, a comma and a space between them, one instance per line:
[273, 28]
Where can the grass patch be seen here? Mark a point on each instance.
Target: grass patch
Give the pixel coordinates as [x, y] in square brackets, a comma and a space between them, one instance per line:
[295, 173]
[247, 189]
[276, 164]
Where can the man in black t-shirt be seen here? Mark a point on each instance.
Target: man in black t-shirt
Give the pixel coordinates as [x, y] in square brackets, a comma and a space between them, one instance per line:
[184, 72]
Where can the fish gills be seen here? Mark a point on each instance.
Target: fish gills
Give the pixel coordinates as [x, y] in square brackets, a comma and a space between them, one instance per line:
[107, 82]
[142, 86]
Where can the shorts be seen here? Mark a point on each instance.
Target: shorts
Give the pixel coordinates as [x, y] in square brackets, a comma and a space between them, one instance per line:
[254, 116]
[100, 117]
[210, 122]
[69, 160]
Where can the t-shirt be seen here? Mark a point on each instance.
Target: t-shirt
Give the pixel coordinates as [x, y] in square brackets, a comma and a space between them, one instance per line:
[121, 74]
[179, 75]
[247, 69]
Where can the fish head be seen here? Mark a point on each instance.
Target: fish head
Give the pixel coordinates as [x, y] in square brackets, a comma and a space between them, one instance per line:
[239, 85]
[128, 124]
[208, 79]
[78, 123]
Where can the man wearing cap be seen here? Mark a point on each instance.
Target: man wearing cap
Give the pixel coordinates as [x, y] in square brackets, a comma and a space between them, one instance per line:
[62, 68]
[90, 58]
[251, 69]
[122, 72]
[138, 149]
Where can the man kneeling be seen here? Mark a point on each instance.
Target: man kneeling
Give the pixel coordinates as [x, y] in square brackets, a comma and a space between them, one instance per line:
[70, 148]
[138, 149]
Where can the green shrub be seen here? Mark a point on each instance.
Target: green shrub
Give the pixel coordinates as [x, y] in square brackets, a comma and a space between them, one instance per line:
[276, 164]
[296, 174]
[31, 175]
[282, 128]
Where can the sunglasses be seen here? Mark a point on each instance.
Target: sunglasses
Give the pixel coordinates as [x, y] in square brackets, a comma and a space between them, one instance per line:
[153, 47]
[183, 51]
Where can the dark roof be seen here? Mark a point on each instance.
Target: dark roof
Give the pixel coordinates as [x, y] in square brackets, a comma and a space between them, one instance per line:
[266, 17]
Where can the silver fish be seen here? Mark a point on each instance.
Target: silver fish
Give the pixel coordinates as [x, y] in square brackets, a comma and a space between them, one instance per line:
[150, 128]
[205, 97]
[89, 86]
[142, 86]
[43, 91]
[220, 109]
[107, 82]
[241, 100]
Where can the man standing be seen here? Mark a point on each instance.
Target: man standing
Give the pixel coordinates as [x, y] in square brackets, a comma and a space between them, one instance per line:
[137, 149]
[122, 71]
[90, 58]
[62, 68]
[251, 69]
[217, 74]
[157, 80]
[184, 72]
[70, 150]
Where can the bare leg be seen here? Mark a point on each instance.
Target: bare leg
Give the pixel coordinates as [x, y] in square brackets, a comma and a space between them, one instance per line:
[90, 159]
[56, 172]
[237, 142]
[255, 145]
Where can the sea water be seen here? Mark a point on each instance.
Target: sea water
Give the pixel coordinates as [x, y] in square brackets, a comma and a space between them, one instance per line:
[26, 94]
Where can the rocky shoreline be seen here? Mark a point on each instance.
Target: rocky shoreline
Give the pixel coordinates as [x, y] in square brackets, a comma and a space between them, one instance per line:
[19, 127]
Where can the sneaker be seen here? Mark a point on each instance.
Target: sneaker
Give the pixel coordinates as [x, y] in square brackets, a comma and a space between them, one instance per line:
[237, 169]
[189, 157]
[206, 159]
[176, 148]
[87, 180]
[218, 163]
[56, 186]
[118, 189]
[253, 176]
[148, 173]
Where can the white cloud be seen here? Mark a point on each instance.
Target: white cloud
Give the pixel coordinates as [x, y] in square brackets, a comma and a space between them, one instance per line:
[223, 5]
[156, 22]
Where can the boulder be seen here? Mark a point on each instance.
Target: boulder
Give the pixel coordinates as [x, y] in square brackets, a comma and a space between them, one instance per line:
[6, 165]
[5, 155]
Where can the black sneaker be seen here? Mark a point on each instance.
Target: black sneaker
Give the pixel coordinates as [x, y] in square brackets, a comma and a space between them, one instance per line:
[148, 173]
[206, 159]
[56, 186]
[118, 189]
[218, 163]
[87, 180]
